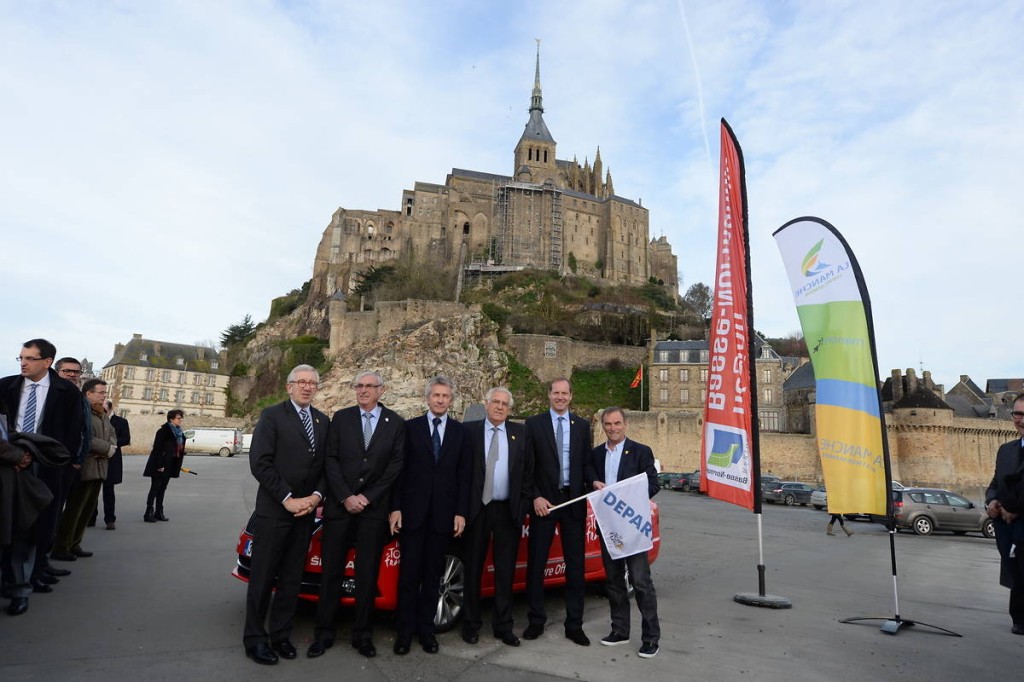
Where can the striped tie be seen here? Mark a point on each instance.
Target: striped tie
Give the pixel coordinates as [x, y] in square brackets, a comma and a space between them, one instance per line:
[29, 422]
[308, 425]
[367, 429]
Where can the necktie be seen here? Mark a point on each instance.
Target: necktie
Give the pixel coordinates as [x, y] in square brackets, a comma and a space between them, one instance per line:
[492, 461]
[29, 423]
[367, 429]
[308, 425]
[436, 439]
[560, 441]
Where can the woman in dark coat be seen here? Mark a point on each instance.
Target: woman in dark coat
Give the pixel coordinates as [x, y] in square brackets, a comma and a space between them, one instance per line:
[164, 464]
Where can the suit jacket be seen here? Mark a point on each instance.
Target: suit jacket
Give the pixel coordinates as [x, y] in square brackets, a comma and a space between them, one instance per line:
[479, 442]
[1009, 459]
[167, 454]
[283, 461]
[430, 492]
[543, 476]
[115, 468]
[636, 458]
[63, 415]
[352, 468]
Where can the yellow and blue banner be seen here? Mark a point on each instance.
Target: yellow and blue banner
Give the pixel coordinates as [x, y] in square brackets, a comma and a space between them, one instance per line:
[835, 315]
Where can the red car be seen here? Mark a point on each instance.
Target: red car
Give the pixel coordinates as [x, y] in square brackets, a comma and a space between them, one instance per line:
[449, 607]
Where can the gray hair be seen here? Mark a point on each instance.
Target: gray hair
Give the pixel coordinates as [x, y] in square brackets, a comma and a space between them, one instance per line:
[439, 380]
[500, 389]
[303, 368]
[369, 373]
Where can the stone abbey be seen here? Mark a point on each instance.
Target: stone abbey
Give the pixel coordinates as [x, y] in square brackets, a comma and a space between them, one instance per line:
[550, 213]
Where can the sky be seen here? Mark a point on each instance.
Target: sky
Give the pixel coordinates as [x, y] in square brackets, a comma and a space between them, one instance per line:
[167, 168]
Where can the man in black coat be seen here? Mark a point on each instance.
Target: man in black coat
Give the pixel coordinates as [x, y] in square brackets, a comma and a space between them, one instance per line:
[365, 450]
[287, 458]
[58, 414]
[558, 447]
[616, 460]
[496, 509]
[1009, 525]
[115, 468]
[429, 506]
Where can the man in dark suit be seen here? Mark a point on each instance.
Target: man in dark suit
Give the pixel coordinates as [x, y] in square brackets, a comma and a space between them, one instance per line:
[287, 456]
[56, 411]
[496, 509]
[115, 468]
[1009, 525]
[557, 448]
[616, 460]
[365, 450]
[429, 505]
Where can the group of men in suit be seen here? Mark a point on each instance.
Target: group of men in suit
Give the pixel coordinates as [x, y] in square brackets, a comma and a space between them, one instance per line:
[426, 480]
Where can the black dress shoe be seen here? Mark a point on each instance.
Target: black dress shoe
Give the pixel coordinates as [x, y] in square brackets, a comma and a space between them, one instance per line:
[284, 649]
[577, 636]
[148, 517]
[79, 552]
[48, 579]
[159, 516]
[41, 587]
[18, 606]
[262, 654]
[470, 636]
[402, 643]
[56, 572]
[318, 647]
[533, 631]
[62, 556]
[508, 638]
[365, 647]
[1017, 629]
[429, 644]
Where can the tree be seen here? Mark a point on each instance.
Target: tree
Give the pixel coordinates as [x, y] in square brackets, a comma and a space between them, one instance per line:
[699, 298]
[238, 333]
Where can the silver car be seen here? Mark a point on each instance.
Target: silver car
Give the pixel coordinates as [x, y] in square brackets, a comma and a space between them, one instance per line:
[819, 498]
[924, 510]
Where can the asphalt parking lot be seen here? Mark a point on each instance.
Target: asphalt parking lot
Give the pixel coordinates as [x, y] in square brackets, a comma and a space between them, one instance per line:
[157, 602]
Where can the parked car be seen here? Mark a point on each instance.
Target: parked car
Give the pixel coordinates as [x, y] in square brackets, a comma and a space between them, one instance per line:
[789, 493]
[665, 478]
[226, 442]
[246, 443]
[819, 498]
[449, 602]
[769, 480]
[687, 482]
[925, 510]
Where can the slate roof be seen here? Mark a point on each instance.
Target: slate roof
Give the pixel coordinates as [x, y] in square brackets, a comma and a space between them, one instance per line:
[131, 354]
[802, 377]
[922, 398]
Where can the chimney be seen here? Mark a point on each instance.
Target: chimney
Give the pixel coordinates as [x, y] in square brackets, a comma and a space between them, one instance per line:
[896, 379]
[156, 348]
[136, 337]
[911, 380]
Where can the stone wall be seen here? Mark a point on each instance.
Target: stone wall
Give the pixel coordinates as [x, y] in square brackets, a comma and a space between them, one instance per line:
[551, 357]
[351, 328]
[143, 428]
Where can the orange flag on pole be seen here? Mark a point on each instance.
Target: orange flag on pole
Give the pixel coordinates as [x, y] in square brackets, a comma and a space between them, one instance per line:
[638, 378]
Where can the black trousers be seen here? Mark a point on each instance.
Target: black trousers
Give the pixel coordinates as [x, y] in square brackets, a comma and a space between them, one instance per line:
[278, 558]
[59, 480]
[368, 535]
[494, 521]
[571, 530]
[419, 578]
[639, 568]
[157, 489]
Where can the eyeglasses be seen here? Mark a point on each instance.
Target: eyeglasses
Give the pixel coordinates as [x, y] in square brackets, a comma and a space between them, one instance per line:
[1017, 414]
[360, 387]
[73, 372]
[305, 383]
[21, 358]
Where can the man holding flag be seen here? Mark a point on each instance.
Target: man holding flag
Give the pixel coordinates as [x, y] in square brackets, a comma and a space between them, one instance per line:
[617, 460]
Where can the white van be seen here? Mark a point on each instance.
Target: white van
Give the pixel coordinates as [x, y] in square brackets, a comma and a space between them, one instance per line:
[226, 442]
[246, 443]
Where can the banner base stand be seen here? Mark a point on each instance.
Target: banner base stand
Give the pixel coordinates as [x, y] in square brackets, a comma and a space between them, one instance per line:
[892, 626]
[767, 601]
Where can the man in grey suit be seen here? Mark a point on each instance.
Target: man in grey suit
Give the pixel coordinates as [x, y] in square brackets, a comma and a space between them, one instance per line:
[365, 451]
[496, 510]
[1009, 525]
[287, 459]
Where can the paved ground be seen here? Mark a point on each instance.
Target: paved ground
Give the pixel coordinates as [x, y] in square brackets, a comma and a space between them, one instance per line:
[157, 602]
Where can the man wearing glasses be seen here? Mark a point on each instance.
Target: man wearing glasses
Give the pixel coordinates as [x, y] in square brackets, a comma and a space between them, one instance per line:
[1009, 523]
[365, 451]
[287, 460]
[40, 401]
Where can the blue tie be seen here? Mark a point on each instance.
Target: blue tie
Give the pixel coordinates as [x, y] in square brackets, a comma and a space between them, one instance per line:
[29, 423]
[308, 425]
[560, 440]
[436, 439]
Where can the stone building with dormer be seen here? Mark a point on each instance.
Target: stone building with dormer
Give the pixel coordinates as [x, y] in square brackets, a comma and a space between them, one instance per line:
[548, 213]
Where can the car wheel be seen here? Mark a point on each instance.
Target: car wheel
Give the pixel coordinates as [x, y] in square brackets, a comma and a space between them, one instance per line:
[850, 517]
[224, 452]
[790, 500]
[923, 525]
[686, 488]
[988, 529]
[449, 601]
[818, 507]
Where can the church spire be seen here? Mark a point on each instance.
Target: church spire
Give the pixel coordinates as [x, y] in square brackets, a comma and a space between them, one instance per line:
[535, 99]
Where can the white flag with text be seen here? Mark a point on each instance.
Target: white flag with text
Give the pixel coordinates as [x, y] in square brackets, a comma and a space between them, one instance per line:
[623, 512]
